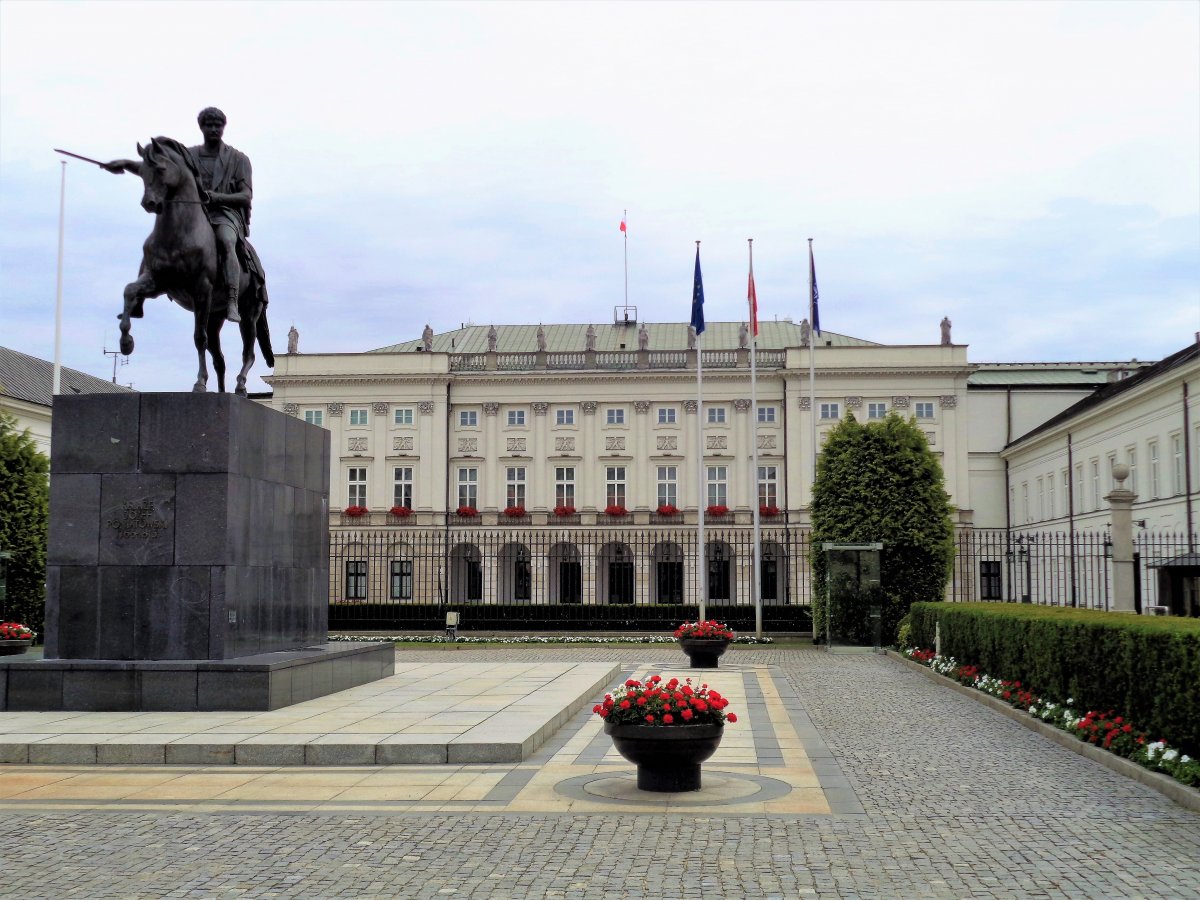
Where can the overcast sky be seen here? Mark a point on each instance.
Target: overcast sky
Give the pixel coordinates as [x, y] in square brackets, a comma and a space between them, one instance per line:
[1031, 170]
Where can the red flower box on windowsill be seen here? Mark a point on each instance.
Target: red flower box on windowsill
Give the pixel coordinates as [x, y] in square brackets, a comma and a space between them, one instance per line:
[563, 511]
[355, 512]
[768, 511]
[616, 511]
[515, 512]
[717, 510]
[667, 510]
[466, 512]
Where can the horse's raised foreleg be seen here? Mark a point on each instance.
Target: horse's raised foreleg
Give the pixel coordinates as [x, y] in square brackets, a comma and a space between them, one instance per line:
[135, 293]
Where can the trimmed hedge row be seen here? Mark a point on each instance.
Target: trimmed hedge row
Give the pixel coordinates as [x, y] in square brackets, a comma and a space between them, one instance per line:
[1146, 668]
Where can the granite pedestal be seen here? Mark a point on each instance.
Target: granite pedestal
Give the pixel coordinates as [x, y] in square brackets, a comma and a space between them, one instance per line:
[184, 528]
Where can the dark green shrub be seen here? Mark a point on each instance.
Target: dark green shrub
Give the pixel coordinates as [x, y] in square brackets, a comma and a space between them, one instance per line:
[881, 482]
[24, 515]
[1146, 668]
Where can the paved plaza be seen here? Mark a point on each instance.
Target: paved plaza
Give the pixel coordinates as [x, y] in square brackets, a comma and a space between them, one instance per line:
[845, 776]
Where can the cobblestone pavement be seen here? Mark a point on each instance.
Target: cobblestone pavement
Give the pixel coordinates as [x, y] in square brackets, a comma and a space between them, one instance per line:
[958, 802]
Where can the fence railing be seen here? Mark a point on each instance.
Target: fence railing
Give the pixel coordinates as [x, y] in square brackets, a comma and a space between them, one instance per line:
[513, 576]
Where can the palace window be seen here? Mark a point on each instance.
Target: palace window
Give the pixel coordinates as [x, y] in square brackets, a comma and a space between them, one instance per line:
[402, 579]
[564, 485]
[668, 491]
[514, 494]
[924, 410]
[358, 416]
[402, 415]
[614, 494]
[716, 415]
[616, 417]
[402, 486]
[356, 579]
[564, 417]
[766, 415]
[831, 410]
[768, 490]
[876, 410]
[718, 485]
[468, 487]
[666, 415]
[468, 418]
[314, 416]
[356, 486]
[516, 417]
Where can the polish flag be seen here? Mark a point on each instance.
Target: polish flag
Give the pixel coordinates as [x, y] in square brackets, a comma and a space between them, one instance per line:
[623, 229]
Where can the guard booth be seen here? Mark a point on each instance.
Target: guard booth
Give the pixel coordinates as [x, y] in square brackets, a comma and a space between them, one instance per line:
[1179, 585]
[853, 598]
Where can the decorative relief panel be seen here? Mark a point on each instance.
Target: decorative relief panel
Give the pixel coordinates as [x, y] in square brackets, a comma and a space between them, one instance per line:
[742, 405]
[689, 406]
[948, 401]
[291, 409]
[402, 443]
[641, 406]
[766, 442]
[540, 408]
[589, 407]
[668, 442]
[717, 442]
[564, 444]
[931, 436]
[516, 445]
[900, 403]
[854, 403]
[614, 443]
[426, 407]
[335, 409]
[357, 444]
[806, 403]
[490, 409]
[380, 409]
[468, 445]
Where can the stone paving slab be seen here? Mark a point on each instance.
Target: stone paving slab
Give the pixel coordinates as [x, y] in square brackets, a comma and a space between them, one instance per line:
[441, 712]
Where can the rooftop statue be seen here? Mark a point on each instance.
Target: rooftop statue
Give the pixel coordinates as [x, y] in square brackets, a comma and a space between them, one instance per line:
[427, 338]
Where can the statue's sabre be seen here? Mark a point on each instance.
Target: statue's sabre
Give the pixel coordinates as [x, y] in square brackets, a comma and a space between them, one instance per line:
[94, 162]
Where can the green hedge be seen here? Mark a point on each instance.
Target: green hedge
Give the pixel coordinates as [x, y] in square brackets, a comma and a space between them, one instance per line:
[1146, 668]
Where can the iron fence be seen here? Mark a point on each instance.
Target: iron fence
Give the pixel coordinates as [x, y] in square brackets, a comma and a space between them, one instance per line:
[615, 577]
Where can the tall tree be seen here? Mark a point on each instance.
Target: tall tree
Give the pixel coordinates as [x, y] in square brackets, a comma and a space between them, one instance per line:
[881, 482]
[24, 515]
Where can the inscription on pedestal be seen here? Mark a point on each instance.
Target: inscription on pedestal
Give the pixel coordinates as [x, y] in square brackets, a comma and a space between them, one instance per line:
[137, 519]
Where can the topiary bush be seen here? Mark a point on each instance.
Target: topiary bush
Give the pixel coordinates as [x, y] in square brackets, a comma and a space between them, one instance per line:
[881, 482]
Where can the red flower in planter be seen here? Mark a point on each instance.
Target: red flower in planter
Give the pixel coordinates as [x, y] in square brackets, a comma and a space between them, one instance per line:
[514, 512]
[717, 509]
[709, 629]
[769, 510]
[635, 703]
[355, 512]
[401, 512]
[615, 510]
[564, 510]
[14, 631]
[467, 512]
[668, 509]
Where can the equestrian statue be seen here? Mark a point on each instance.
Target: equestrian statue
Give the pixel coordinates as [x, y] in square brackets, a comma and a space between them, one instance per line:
[198, 252]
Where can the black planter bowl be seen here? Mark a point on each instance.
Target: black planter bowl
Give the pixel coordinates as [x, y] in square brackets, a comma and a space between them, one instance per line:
[703, 652]
[13, 646]
[667, 757]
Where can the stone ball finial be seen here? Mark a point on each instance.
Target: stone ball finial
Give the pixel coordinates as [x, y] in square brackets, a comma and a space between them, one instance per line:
[1120, 471]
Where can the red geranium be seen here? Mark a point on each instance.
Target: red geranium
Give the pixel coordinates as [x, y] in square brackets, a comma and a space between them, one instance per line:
[638, 703]
[467, 512]
[615, 510]
[14, 631]
[514, 512]
[768, 510]
[355, 512]
[668, 509]
[564, 510]
[717, 509]
[401, 512]
[709, 629]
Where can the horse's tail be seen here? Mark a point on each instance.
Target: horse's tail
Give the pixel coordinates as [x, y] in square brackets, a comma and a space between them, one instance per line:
[264, 338]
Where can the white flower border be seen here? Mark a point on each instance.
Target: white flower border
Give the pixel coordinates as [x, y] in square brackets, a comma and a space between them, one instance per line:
[526, 639]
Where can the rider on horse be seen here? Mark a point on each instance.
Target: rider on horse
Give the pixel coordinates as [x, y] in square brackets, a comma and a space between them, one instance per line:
[225, 182]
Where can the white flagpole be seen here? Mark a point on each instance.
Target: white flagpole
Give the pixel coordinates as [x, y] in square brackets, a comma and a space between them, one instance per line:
[755, 564]
[812, 378]
[62, 207]
[702, 555]
[625, 234]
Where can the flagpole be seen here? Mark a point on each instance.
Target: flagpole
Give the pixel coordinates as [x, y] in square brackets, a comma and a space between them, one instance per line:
[625, 234]
[702, 555]
[755, 564]
[812, 375]
[62, 207]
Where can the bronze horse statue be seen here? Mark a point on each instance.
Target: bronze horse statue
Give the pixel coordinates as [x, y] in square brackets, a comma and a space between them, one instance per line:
[179, 259]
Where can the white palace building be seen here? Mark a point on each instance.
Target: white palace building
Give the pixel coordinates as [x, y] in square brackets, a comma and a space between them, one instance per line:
[517, 447]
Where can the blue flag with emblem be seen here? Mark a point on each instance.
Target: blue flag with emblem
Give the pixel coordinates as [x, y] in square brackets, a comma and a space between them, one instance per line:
[698, 299]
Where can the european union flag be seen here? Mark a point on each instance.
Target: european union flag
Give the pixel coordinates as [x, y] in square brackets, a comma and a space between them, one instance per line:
[698, 299]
